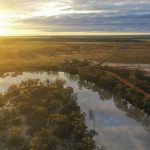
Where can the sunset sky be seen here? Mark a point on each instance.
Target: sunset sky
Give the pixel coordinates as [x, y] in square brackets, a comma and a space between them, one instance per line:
[48, 17]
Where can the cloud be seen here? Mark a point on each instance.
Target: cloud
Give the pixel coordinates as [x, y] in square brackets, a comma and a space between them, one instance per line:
[80, 15]
[92, 22]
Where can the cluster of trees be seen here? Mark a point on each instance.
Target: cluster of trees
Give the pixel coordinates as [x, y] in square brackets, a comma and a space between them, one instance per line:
[135, 76]
[50, 112]
[45, 116]
[97, 74]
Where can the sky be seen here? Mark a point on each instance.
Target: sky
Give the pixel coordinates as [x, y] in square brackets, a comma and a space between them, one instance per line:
[48, 17]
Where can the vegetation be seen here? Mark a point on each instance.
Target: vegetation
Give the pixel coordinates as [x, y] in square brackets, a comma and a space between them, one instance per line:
[43, 116]
[121, 103]
[98, 74]
[19, 54]
[135, 76]
[133, 52]
[26, 53]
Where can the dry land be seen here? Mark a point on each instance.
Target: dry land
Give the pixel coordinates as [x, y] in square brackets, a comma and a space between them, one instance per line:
[30, 52]
[133, 52]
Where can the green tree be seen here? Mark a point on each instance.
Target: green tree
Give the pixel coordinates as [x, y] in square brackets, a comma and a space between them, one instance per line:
[44, 140]
[15, 137]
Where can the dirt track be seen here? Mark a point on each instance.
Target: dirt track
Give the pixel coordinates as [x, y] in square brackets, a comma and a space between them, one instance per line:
[126, 82]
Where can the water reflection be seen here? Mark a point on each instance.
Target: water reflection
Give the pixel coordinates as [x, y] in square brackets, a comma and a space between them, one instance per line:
[119, 125]
[92, 117]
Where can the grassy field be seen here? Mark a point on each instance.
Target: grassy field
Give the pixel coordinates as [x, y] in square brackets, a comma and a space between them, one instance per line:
[21, 53]
[133, 52]
[14, 53]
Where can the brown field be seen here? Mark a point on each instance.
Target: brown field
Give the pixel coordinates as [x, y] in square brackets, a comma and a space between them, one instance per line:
[133, 52]
[22, 53]
[30, 53]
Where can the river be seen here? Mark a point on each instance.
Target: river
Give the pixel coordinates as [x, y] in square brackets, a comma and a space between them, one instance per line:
[119, 125]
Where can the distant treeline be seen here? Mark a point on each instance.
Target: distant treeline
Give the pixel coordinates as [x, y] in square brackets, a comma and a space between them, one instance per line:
[92, 38]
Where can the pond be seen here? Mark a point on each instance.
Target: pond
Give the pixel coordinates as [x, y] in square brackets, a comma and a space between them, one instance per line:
[119, 125]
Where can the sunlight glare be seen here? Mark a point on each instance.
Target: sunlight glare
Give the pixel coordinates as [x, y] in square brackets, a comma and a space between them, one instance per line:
[4, 30]
[51, 9]
[4, 24]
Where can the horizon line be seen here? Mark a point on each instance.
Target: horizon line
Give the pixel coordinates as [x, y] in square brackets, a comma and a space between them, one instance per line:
[78, 34]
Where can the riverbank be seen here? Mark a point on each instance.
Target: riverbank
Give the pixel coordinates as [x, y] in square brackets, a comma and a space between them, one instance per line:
[143, 67]
[100, 76]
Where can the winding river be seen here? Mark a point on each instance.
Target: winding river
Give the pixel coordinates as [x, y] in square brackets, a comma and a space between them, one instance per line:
[119, 125]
